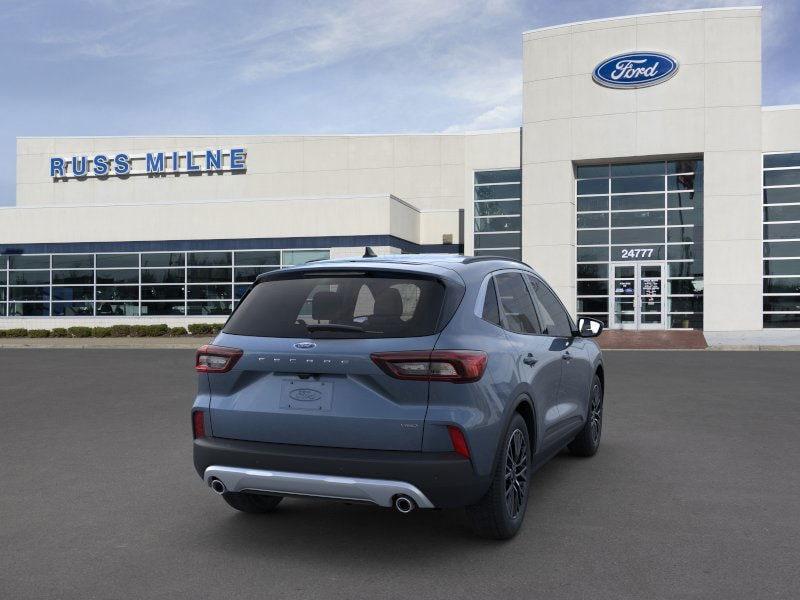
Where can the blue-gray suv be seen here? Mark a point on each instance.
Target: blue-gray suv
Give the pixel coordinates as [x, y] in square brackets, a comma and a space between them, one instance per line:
[412, 381]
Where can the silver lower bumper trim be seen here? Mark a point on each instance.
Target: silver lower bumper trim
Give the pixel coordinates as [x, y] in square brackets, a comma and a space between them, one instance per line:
[377, 491]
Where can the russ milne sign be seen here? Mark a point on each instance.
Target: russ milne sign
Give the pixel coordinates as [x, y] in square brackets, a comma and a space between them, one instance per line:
[635, 70]
[150, 163]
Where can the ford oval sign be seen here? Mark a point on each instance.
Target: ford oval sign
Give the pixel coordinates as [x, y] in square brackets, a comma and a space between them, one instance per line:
[635, 70]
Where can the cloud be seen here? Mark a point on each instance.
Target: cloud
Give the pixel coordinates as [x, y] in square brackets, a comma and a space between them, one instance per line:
[331, 35]
[497, 117]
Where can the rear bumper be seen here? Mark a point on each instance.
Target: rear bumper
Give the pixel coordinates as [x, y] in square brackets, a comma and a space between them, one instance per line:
[446, 479]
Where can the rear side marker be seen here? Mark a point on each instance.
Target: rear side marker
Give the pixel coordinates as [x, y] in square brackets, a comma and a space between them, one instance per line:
[456, 366]
[198, 424]
[458, 440]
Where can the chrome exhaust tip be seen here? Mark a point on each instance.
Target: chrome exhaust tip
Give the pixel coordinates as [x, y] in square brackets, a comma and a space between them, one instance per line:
[217, 486]
[404, 504]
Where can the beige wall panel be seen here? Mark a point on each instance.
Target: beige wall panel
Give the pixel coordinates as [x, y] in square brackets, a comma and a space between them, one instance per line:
[730, 38]
[370, 152]
[663, 132]
[781, 130]
[416, 150]
[325, 154]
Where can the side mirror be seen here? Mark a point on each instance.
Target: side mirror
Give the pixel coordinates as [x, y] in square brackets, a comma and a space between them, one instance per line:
[588, 327]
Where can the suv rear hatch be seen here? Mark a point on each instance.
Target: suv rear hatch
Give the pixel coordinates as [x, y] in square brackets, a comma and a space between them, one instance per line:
[305, 375]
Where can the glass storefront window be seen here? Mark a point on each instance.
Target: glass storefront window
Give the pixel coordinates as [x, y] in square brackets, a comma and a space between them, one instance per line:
[781, 215]
[257, 257]
[29, 277]
[163, 259]
[497, 209]
[108, 284]
[300, 257]
[640, 212]
[29, 261]
[71, 292]
[72, 309]
[209, 259]
[73, 261]
[115, 261]
[163, 276]
[117, 276]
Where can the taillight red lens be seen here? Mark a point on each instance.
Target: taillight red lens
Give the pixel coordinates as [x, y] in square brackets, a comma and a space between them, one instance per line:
[459, 441]
[456, 366]
[216, 359]
[198, 424]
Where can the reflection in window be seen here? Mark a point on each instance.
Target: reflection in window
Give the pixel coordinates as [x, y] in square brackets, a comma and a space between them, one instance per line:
[124, 284]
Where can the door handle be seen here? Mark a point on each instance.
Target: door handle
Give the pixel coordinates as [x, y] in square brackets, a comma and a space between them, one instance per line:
[529, 360]
[567, 356]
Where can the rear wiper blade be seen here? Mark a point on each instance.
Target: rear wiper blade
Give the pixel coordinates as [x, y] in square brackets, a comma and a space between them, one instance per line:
[334, 327]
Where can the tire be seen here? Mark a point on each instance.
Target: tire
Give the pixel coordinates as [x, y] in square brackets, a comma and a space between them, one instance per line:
[587, 441]
[494, 517]
[252, 503]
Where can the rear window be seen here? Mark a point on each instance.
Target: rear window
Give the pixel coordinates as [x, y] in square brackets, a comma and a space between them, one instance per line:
[340, 306]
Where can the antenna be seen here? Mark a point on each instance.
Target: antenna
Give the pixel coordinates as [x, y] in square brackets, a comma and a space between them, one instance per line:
[369, 253]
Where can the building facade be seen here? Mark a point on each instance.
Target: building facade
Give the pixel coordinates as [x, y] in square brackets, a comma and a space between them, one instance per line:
[647, 183]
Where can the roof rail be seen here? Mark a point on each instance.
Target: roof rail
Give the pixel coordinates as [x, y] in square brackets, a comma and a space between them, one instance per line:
[471, 259]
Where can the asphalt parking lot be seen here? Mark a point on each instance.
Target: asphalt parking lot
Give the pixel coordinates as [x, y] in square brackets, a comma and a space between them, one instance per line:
[695, 493]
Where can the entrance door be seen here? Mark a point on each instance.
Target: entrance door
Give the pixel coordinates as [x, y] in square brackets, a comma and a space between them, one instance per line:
[637, 295]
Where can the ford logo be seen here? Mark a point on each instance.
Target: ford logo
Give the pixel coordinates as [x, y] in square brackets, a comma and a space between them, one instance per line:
[305, 345]
[635, 70]
[305, 395]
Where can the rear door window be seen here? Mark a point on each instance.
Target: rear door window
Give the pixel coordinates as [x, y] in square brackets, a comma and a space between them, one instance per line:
[340, 306]
[491, 310]
[516, 305]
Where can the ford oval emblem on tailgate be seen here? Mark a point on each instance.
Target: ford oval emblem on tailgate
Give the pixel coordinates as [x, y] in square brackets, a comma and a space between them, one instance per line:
[305, 345]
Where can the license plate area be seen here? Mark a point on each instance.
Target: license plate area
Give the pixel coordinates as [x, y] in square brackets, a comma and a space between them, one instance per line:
[306, 395]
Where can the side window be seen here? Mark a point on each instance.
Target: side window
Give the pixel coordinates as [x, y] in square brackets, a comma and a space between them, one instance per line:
[491, 311]
[555, 320]
[516, 304]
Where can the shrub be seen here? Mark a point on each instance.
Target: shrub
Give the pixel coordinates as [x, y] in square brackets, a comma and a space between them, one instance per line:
[2, 333]
[80, 332]
[38, 333]
[138, 330]
[201, 329]
[157, 330]
[216, 328]
[17, 332]
[177, 331]
[120, 330]
[101, 332]
[59, 332]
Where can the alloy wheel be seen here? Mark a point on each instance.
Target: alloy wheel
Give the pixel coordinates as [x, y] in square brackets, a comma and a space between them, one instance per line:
[516, 473]
[596, 413]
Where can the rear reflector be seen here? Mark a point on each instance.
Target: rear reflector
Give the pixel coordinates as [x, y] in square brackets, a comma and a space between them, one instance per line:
[198, 424]
[216, 359]
[459, 441]
[456, 366]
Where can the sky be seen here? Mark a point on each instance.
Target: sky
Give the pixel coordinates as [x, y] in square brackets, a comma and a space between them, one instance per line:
[171, 67]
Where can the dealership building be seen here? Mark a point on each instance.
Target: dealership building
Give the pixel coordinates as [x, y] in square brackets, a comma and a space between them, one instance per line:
[647, 183]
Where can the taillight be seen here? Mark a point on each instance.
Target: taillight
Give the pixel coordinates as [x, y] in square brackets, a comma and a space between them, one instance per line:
[457, 366]
[198, 424]
[216, 359]
[458, 440]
